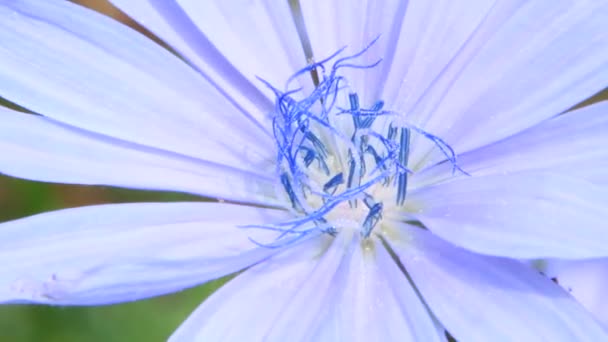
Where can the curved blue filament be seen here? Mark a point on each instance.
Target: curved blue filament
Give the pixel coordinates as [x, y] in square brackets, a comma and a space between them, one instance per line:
[299, 127]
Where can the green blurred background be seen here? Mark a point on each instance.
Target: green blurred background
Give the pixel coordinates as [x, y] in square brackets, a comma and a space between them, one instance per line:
[148, 320]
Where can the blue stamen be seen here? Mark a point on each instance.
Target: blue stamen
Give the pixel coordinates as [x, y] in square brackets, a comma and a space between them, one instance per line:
[310, 155]
[351, 173]
[354, 101]
[444, 147]
[313, 66]
[300, 129]
[392, 132]
[292, 196]
[404, 152]
[338, 64]
[316, 142]
[332, 184]
[371, 220]
[377, 106]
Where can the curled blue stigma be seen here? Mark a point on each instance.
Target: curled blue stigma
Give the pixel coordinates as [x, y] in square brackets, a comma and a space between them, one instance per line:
[316, 140]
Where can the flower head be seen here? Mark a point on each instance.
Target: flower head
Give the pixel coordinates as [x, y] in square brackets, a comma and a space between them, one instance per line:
[340, 168]
[382, 173]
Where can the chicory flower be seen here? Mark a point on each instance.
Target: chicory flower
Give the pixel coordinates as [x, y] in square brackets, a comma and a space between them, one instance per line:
[383, 171]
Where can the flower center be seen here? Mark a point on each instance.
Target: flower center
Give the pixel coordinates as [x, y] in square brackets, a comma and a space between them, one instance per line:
[334, 167]
[340, 166]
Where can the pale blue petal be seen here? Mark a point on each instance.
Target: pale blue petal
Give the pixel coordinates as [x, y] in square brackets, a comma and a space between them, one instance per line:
[332, 25]
[572, 144]
[115, 253]
[519, 215]
[207, 50]
[37, 148]
[308, 308]
[168, 22]
[480, 298]
[376, 302]
[538, 60]
[79, 67]
[277, 300]
[424, 326]
[430, 35]
[585, 280]
[259, 38]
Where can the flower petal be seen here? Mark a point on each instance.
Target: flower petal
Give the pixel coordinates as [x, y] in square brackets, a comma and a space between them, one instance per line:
[160, 19]
[480, 298]
[197, 35]
[586, 280]
[570, 144]
[258, 38]
[332, 25]
[280, 299]
[491, 90]
[37, 148]
[81, 68]
[430, 34]
[520, 215]
[376, 302]
[114, 253]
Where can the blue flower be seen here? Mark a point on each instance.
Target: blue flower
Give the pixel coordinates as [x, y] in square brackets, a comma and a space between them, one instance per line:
[387, 170]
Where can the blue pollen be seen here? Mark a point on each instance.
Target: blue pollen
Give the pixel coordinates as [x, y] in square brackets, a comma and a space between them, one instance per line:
[326, 160]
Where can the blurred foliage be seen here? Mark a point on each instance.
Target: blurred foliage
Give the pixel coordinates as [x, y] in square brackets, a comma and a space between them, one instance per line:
[148, 320]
